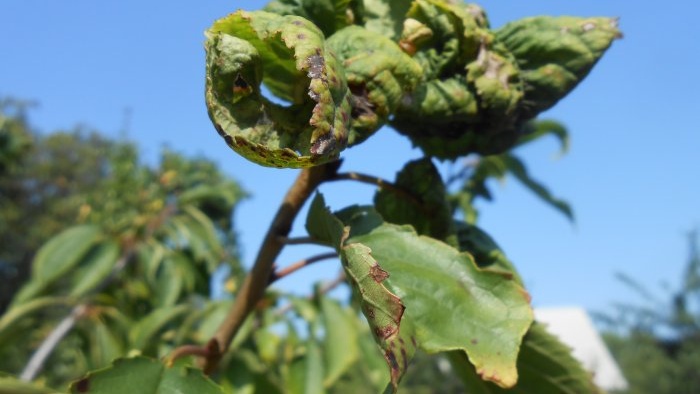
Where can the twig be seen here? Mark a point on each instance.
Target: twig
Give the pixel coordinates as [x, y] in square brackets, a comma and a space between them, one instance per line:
[301, 241]
[36, 363]
[326, 288]
[277, 275]
[256, 282]
[379, 182]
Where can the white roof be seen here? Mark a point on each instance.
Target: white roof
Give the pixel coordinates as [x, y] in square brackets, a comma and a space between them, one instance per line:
[573, 326]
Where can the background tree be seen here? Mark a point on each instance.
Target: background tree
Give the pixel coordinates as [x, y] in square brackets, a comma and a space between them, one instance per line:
[127, 241]
[657, 343]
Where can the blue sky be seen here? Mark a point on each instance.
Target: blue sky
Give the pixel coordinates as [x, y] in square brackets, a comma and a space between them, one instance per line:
[631, 174]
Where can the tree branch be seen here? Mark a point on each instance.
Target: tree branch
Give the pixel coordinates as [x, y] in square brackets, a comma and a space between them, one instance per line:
[379, 182]
[256, 282]
[277, 275]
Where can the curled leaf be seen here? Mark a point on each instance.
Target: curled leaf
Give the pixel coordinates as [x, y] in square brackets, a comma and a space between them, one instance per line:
[289, 55]
[555, 54]
[472, 92]
[378, 75]
[329, 15]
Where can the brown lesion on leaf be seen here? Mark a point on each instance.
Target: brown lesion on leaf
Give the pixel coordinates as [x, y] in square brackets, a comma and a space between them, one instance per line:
[377, 273]
[359, 100]
[83, 385]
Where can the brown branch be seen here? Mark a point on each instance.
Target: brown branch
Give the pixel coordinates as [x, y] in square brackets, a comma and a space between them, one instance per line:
[379, 182]
[301, 241]
[256, 282]
[281, 273]
[326, 288]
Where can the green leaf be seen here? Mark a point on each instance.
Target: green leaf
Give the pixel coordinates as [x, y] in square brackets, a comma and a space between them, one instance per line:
[536, 129]
[555, 54]
[144, 376]
[545, 365]
[386, 16]
[519, 171]
[169, 283]
[328, 15]
[289, 54]
[472, 94]
[11, 385]
[340, 345]
[58, 256]
[16, 313]
[322, 225]
[99, 265]
[105, 346]
[378, 72]
[452, 303]
[484, 250]
[383, 309]
[143, 332]
[306, 372]
[424, 205]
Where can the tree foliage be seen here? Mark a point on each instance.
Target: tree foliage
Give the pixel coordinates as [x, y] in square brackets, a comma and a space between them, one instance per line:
[657, 343]
[131, 275]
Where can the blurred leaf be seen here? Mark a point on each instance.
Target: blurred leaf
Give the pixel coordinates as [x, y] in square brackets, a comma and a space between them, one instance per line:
[11, 385]
[545, 365]
[99, 265]
[517, 168]
[104, 346]
[13, 316]
[424, 206]
[169, 283]
[340, 346]
[143, 332]
[144, 376]
[306, 372]
[536, 129]
[58, 256]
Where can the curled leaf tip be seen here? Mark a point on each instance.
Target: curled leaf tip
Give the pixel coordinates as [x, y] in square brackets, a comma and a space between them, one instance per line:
[308, 124]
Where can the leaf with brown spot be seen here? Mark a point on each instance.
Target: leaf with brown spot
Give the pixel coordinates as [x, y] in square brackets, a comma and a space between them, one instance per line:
[287, 54]
[447, 298]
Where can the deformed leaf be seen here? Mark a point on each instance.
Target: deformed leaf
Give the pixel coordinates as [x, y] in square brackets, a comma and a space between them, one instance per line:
[378, 73]
[555, 54]
[287, 53]
[383, 309]
[144, 376]
[545, 365]
[328, 15]
[472, 93]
